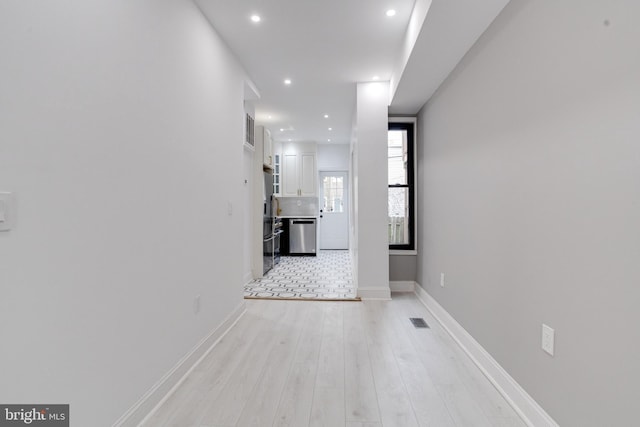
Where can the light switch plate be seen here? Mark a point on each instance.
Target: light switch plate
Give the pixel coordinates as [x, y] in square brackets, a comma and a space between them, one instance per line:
[548, 338]
[6, 211]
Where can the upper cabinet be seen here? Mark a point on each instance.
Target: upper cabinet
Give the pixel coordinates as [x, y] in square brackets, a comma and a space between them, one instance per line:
[264, 136]
[299, 170]
[277, 169]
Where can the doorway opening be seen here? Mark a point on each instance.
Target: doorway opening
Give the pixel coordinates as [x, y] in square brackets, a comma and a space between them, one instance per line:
[328, 276]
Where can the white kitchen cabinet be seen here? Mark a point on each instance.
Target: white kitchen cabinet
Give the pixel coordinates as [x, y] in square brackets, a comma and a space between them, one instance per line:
[277, 169]
[263, 134]
[290, 178]
[308, 174]
[299, 170]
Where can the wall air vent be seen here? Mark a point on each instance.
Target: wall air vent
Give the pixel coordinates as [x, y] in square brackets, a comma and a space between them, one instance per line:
[249, 134]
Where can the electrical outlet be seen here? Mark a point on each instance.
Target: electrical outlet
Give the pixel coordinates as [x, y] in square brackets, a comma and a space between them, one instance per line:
[442, 280]
[548, 338]
[196, 304]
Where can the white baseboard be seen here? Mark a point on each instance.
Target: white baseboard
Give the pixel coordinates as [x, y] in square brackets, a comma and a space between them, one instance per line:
[526, 407]
[383, 294]
[402, 286]
[160, 392]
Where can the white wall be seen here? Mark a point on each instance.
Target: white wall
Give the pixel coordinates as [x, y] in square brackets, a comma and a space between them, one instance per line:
[250, 203]
[371, 243]
[402, 268]
[247, 215]
[353, 210]
[530, 199]
[121, 137]
[333, 157]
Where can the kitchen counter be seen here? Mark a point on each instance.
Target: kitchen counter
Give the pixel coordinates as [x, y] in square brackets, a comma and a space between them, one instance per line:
[297, 216]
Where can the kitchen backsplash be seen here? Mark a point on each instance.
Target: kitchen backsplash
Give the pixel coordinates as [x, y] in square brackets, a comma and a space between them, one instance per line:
[292, 206]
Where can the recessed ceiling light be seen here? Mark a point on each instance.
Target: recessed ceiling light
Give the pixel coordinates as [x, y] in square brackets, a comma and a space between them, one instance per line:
[289, 139]
[287, 81]
[326, 116]
[330, 128]
[391, 12]
[269, 117]
[376, 78]
[256, 18]
[328, 140]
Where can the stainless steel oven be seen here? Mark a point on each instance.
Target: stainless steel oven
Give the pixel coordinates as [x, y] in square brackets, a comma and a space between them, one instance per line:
[271, 246]
[276, 248]
[277, 233]
[267, 253]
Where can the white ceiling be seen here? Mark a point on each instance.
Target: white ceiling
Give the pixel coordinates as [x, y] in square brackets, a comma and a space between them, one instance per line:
[326, 47]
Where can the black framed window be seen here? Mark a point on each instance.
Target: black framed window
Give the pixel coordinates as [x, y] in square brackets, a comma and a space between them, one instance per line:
[401, 211]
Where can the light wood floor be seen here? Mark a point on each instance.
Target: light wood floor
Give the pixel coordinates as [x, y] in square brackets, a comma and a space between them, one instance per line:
[302, 363]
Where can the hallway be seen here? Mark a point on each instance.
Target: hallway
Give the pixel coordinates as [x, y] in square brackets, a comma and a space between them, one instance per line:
[335, 364]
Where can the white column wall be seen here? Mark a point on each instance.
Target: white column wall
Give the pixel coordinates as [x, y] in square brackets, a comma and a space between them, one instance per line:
[370, 185]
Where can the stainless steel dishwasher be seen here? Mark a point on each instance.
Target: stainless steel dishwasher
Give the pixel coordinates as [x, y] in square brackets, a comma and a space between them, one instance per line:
[302, 236]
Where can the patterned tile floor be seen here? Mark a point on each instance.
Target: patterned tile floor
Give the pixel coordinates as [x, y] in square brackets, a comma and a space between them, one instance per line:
[326, 276]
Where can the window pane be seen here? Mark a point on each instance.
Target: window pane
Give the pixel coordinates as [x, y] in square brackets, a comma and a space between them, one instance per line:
[333, 194]
[398, 216]
[397, 145]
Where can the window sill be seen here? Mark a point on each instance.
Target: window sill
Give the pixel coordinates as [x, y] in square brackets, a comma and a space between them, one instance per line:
[403, 252]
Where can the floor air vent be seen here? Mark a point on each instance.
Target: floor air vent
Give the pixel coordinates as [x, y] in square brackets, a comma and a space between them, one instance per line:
[418, 322]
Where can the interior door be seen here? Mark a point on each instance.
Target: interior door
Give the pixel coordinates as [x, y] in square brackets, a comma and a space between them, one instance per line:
[334, 210]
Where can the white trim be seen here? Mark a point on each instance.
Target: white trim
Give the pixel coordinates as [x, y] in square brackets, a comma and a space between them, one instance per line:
[402, 286]
[383, 294]
[527, 408]
[140, 412]
[400, 252]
